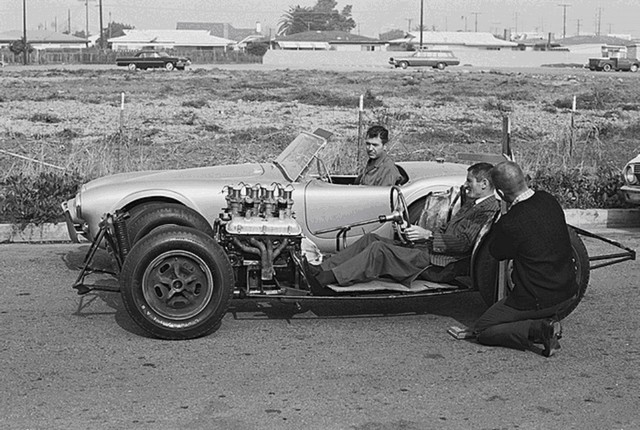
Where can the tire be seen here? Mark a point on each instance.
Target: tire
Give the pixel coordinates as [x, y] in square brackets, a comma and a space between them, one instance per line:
[403, 64]
[441, 66]
[146, 218]
[169, 66]
[633, 68]
[485, 271]
[176, 283]
[132, 67]
[606, 67]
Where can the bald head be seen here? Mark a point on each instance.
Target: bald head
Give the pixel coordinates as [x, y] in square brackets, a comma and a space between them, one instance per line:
[509, 180]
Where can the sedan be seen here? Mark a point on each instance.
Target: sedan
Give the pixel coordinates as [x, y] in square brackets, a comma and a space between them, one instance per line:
[153, 59]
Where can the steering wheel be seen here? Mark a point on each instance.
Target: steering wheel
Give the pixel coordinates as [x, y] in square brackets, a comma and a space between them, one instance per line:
[399, 207]
[323, 171]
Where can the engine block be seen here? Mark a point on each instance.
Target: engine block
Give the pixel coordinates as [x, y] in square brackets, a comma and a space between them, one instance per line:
[261, 237]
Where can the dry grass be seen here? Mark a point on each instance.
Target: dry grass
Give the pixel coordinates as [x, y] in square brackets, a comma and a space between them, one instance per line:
[175, 120]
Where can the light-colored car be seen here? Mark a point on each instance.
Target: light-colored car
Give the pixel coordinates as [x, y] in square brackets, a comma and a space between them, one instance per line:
[186, 241]
[438, 59]
[631, 187]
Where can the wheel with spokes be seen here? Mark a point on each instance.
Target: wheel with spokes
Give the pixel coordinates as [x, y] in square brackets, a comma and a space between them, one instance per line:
[176, 283]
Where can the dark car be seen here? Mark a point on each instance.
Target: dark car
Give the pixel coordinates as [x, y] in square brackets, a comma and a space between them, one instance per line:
[431, 58]
[153, 59]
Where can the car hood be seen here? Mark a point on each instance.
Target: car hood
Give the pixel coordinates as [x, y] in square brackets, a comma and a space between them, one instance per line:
[231, 173]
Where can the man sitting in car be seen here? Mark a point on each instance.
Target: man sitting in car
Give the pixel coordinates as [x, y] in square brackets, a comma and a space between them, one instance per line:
[373, 256]
[380, 169]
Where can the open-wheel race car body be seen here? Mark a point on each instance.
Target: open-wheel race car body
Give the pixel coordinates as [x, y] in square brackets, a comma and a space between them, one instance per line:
[187, 242]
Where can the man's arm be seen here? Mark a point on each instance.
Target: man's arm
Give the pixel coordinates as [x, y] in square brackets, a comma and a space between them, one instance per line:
[460, 237]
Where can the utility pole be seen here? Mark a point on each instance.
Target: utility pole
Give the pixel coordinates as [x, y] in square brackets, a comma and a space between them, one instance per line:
[564, 7]
[408, 24]
[24, 31]
[515, 29]
[101, 26]
[476, 23]
[598, 21]
[579, 21]
[68, 21]
[421, 21]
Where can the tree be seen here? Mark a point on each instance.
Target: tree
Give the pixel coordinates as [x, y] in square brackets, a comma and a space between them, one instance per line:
[323, 16]
[114, 29]
[18, 47]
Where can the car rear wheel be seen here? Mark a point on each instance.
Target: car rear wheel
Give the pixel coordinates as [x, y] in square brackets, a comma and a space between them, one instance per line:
[169, 66]
[176, 283]
[404, 64]
[485, 272]
[606, 67]
[440, 66]
[132, 67]
[144, 219]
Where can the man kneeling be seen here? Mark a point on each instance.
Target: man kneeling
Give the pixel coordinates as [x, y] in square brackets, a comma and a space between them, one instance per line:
[373, 256]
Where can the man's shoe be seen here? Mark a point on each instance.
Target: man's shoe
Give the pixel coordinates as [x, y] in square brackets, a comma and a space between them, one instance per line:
[551, 332]
[315, 287]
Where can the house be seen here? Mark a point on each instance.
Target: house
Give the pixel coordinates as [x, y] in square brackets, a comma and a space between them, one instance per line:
[43, 39]
[169, 39]
[454, 39]
[222, 30]
[327, 40]
[591, 45]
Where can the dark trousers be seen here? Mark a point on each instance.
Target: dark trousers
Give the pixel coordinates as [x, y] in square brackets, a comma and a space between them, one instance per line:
[372, 257]
[502, 325]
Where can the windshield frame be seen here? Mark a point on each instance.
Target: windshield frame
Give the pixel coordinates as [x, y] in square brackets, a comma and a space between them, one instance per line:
[296, 158]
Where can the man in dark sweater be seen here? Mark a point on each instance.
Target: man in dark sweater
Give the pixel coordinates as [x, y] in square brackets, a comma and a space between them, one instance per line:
[534, 234]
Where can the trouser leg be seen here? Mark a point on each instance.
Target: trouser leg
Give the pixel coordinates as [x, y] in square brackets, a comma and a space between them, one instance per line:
[352, 250]
[382, 259]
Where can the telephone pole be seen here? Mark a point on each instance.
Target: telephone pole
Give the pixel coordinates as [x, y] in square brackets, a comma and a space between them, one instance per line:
[408, 24]
[421, 21]
[476, 22]
[579, 21]
[101, 26]
[564, 7]
[24, 31]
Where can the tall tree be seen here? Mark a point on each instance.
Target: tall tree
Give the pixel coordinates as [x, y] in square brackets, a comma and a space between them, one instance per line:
[323, 16]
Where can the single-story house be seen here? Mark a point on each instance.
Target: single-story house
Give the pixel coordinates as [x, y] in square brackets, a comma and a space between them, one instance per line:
[454, 39]
[221, 29]
[327, 40]
[591, 45]
[169, 39]
[43, 39]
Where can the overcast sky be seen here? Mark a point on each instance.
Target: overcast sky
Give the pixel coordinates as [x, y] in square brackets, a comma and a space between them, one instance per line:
[372, 16]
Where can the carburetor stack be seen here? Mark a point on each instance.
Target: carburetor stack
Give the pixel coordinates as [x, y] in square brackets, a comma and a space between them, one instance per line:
[261, 237]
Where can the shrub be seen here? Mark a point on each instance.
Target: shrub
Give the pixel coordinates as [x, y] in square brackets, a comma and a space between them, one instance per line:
[44, 117]
[36, 199]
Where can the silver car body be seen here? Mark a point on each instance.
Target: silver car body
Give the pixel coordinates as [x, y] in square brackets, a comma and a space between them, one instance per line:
[631, 187]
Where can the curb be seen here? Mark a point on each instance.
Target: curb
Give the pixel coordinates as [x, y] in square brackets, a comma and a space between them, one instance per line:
[583, 218]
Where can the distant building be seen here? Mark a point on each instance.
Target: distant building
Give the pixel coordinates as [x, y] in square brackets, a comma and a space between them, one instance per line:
[454, 39]
[220, 29]
[169, 39]
[327, 40]
[43, 39]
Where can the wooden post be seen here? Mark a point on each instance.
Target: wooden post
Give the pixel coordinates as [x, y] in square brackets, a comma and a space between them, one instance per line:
[572, 127]
[501, 290]
[359, 142]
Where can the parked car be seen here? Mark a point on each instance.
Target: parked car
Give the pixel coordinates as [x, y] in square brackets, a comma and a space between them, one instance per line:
[631, 175]
[432, 58]
[184, 242]
[153, 59]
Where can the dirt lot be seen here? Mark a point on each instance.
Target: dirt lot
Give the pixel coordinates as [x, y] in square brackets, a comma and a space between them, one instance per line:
[72, 117]
[71, 362]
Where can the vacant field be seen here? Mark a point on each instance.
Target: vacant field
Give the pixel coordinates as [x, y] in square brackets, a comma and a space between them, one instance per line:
[73, 119]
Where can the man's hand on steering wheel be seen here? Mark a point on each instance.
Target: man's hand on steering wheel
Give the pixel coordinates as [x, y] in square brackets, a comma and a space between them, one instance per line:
[417, 234]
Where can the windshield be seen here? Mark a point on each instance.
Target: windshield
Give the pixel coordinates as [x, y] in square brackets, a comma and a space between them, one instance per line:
[297, 157]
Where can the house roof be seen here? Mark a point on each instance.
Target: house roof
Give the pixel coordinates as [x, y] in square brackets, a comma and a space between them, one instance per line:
[218, 29]
[333, 37]
[455, 38]
[591, 39]
[176, 37]
[40, 36]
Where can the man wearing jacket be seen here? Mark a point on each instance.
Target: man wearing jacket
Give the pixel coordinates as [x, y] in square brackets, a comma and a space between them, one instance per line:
[374, 257]
[534, 234]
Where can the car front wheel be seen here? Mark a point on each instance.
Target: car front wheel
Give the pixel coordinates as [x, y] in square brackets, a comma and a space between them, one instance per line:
[169, 66]
[132, 67]
[176, 283]
[404, 64]
[440, 66]
[145, 218]
[606, 67]
[634, 68]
